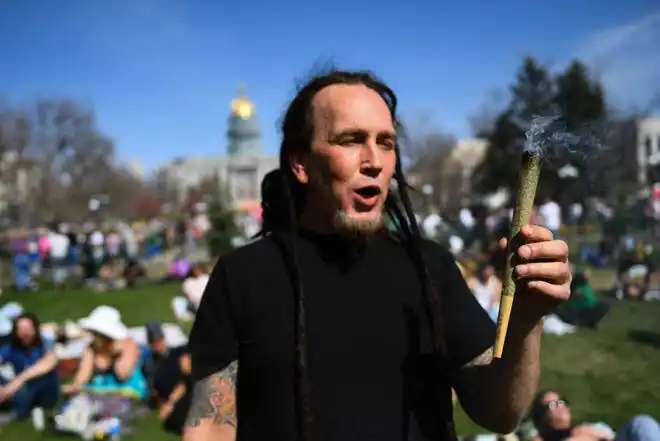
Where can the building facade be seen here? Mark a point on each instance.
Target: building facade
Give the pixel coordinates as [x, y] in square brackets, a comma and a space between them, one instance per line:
[240, 171]
[648, 150]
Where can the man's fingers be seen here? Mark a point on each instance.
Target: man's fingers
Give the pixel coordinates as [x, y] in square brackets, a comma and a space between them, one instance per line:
[529, 234]
[536, 233]
[555, 272]
[552, 250]
[549, 289]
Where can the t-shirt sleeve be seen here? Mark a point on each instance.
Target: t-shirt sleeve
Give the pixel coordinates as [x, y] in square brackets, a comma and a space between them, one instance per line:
[469, 331]
[213, 342]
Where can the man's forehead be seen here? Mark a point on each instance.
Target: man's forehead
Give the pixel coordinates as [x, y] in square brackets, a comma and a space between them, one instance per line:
[351, 106]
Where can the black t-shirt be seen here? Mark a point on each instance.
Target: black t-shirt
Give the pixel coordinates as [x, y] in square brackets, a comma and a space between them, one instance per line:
[167, 372]
[370, 365]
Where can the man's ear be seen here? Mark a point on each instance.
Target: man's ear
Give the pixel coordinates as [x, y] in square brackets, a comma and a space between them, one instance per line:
[298, 165]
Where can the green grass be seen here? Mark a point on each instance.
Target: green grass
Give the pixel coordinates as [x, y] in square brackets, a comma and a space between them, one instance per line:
[608, 375]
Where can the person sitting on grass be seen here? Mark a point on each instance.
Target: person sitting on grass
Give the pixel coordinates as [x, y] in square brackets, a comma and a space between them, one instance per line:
[583, 308]
[634, 274]
[194, 285]
[185, 307]
[111, 275]
[551, 415]
[111, 364]
[35, 383]
[134, 273]
[170, 379]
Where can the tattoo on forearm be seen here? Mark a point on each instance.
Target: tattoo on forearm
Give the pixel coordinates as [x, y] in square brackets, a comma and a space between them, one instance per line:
[214, 398]
[481, 360]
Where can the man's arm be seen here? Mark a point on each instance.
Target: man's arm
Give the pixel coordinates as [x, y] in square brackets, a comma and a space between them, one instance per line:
[496, 394]
[212, 414]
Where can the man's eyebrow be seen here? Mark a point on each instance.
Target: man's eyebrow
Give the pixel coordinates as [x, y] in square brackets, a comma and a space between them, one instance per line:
[359, 131]
[387, 134]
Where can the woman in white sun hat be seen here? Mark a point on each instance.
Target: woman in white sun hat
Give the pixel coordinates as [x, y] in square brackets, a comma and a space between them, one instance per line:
[111, 363]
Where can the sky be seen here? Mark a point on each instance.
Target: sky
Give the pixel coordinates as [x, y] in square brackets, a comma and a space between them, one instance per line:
[161, 74]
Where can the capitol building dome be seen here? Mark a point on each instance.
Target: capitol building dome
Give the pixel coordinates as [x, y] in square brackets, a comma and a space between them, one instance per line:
[243, 134]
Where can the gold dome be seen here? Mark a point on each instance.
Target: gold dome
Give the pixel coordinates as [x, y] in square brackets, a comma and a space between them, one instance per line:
[241, 106]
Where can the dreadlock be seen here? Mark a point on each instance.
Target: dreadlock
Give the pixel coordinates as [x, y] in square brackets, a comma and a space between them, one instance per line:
[283, 198]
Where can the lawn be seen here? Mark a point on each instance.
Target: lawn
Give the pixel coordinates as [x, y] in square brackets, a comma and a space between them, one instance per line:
[608, 375]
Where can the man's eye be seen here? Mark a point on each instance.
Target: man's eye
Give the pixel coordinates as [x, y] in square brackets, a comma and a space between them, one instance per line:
[349, 141]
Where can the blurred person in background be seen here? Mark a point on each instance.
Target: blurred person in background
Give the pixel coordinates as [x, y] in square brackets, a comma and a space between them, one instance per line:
[113, 243]
[583, 308]
[44, 245]
[35, 382]
[134, 272]
[552, 417]
[550, 215]
[111, 275]
[59, 255]
[185, 307]
[194, 285]
[74, 251]
[96, 252]
[130, 241]
[487, 289]
[169, 373]
[35, 258]
[22, 263]
[112, 363]
[634, 274]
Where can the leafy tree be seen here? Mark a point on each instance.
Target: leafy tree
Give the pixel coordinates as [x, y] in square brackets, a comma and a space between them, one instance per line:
[531, 94]
[223, 225]
[581, 103]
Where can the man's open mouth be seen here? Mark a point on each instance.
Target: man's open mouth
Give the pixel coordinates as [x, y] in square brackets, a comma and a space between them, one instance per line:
[368, 191]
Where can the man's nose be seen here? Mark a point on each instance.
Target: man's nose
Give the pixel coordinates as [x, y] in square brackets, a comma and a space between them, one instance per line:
[371, 157]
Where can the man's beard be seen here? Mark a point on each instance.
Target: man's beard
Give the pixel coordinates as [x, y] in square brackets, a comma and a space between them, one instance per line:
[344, 223]
[347, 225]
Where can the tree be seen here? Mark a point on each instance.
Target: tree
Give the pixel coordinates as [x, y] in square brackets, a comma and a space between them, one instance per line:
[531, 94]
[429, 168]
[581, 101]
[575, 96]
[16, 172]
[64, 160]
[223, 224]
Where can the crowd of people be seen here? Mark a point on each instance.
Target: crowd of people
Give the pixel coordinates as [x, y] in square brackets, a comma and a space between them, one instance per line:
[407, 352]
[95, 369]
[119, 377]
[105, 257]
[109, 374]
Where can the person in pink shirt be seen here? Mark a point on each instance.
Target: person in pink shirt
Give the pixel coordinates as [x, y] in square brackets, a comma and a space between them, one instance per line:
[44, 246]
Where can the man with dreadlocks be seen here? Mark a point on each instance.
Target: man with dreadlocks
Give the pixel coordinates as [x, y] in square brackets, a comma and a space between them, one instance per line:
[329, 328]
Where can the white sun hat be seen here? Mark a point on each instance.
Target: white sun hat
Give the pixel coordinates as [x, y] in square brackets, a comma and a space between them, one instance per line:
[107, 310]
[105, 320]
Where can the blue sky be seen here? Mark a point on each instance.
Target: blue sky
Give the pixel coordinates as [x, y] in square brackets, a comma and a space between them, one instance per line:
[161, 73]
